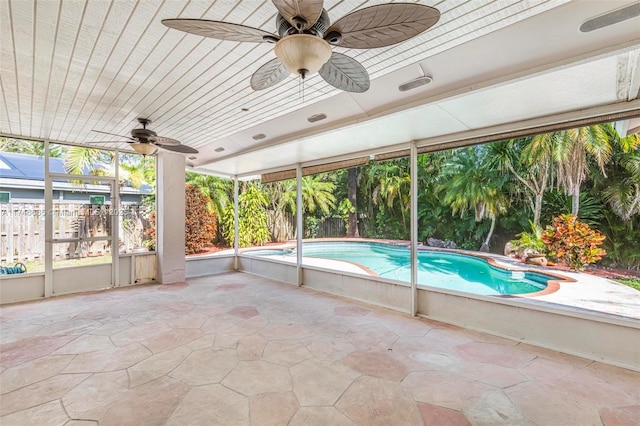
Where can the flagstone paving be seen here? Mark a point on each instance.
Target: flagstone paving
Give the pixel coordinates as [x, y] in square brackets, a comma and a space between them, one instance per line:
[236, 349]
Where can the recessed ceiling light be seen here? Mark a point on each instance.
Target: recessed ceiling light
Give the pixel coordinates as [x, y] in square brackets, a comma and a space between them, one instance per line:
[415, 83]
[259, 136]
[219, 149]
[192, 157]
[316, 117]
[611, 18]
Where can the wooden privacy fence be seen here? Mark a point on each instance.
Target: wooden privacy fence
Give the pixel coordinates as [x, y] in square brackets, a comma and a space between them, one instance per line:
[22, 236]
[331, 227]
[282, 226]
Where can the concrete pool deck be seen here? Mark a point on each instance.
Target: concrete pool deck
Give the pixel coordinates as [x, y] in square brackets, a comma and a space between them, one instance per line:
[237, 349]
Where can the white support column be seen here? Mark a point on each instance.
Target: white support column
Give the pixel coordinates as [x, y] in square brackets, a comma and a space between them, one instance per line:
[170, 218]
[414, 228]
[115, 224]
[48, 225]
[299, 224]
[236, 221]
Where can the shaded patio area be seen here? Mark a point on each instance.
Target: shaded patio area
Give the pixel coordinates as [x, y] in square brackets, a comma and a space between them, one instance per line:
[237, 349]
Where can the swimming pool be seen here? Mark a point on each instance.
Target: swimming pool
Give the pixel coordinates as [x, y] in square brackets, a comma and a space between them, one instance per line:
[435, 268]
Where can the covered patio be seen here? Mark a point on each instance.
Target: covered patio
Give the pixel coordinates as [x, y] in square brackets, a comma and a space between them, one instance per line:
[235, 339]
[236, 349]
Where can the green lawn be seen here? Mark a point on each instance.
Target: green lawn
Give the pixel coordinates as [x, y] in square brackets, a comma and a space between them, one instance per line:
[631, 282]
[38, 266]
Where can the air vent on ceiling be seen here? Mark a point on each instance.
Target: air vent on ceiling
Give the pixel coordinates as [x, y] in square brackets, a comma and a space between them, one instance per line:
[220, 149]
[415, 83]
[316, 117]
[610, 18]
[259, 136]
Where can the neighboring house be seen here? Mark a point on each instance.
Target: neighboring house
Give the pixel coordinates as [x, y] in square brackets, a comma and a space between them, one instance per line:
[22, 175]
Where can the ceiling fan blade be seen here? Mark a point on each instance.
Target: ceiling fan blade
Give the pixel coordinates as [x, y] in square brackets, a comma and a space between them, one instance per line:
[345, 73]
[113, 134]
[221, 30]
[270, 74]
[92, 142]
[309, 10]
[384, 24]
[184, 149]
[162, 141]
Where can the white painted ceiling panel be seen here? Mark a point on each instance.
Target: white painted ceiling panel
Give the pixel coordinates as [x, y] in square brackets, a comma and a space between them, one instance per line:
[582, 86]
[376, 134]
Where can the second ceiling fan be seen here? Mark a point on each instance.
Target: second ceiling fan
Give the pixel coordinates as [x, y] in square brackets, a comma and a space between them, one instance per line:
[305, 36]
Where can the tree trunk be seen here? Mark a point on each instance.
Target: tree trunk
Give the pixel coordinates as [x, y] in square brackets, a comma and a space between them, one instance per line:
[485, 245]
[537, 212]
[352, 188]
[575, 203]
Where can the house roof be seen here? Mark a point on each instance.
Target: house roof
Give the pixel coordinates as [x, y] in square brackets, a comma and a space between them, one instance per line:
[25, 166]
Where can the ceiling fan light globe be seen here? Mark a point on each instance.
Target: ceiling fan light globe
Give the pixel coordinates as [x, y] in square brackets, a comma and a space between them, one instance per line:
[303, 52]
[144, 148]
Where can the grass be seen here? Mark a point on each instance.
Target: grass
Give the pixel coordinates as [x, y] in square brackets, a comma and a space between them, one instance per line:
[38, 266]
[631, 282]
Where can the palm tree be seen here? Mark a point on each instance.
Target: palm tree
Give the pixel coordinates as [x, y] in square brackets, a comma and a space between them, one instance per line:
[137, 171]
[530, 161]
[317, 194]
[217, 190]
[622, 190]
[572, 150]
[388, 184]
[97, 162]
[473, 184]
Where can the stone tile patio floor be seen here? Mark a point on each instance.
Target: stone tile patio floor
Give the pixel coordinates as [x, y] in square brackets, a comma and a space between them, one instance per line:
[236, 349]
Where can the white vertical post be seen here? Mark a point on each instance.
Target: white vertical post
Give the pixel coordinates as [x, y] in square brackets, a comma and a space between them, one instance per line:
[115, 224]
[414, 228]
[48, 225]
[170, 218]
[236, 221]
[299, 225]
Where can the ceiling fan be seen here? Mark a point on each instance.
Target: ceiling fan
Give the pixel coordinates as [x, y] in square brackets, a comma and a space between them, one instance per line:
[305, 36]
[146, 142]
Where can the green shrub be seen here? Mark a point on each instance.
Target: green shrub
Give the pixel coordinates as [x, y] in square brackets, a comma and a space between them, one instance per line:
[199, 223]
[252, 221]
[529, 242]
[573, 242]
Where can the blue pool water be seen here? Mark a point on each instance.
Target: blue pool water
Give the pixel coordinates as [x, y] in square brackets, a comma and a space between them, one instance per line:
[437, 269]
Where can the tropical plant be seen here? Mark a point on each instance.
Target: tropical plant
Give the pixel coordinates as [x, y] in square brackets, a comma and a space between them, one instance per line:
[150, 232]
[350, 204]
[572, 150]
[529, 160]
[317, 194]
[22, 146]
[622, 241]
[573, 242]
[622, 190]
[93, 161]
[529, 241]
[217, 190]
[252, 218]
[471, 185]
[200, 224]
